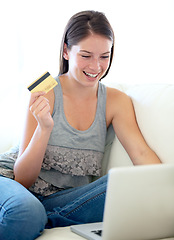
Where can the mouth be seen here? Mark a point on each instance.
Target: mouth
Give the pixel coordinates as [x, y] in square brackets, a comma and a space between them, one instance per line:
[91, 75]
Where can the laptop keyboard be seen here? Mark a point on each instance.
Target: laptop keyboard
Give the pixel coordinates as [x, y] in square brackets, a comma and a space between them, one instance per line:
[97, 232]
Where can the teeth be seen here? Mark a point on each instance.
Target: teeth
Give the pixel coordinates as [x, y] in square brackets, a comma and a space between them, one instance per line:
[91, 75]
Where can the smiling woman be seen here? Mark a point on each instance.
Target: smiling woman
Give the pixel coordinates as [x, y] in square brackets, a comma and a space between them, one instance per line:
[64, 136]
[91, 56]
[97, 25]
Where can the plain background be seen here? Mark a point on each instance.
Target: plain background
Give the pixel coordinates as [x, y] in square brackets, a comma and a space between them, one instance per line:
[31, 32]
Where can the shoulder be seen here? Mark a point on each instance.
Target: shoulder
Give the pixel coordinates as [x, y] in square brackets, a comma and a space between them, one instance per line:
[116, 97]
[114, 93]
[117, 103]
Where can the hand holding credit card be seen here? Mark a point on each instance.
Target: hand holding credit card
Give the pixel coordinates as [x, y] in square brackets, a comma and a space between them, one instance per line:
[44, 83]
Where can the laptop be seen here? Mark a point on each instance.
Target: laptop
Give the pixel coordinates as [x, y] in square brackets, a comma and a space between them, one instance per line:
[139, 205]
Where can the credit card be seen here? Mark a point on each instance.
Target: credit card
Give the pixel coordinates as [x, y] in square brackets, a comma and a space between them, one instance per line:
[44, 83]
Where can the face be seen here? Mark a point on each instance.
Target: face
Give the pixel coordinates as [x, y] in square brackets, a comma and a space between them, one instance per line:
[89, 59]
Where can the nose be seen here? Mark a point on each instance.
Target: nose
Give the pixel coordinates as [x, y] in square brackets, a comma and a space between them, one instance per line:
[95, 64]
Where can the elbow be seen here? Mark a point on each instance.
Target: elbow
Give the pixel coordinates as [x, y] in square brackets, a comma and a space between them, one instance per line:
[23, 182]
[21, 177]
[145, 157]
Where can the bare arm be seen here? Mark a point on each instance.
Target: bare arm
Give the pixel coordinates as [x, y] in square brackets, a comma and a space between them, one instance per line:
[123, 118]
[38, 127]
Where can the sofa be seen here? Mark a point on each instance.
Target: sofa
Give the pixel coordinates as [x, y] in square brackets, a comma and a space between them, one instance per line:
[154, 108]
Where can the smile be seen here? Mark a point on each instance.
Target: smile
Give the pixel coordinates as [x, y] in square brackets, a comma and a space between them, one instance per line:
[91, 75]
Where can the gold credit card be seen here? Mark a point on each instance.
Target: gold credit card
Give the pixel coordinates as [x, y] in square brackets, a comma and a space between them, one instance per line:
[44, 83]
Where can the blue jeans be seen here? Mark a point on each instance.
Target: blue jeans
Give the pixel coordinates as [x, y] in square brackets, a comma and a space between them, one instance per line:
[24, 216]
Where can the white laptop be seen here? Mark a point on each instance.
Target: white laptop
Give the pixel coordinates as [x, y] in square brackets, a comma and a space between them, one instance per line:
[139, 205]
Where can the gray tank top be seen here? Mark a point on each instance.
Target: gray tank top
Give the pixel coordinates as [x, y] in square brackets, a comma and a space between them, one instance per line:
[72, 157]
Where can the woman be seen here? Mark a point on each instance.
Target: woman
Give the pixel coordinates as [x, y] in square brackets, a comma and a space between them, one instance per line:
[64, 137]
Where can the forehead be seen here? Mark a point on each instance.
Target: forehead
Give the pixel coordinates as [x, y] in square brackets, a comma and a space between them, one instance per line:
[94, 43]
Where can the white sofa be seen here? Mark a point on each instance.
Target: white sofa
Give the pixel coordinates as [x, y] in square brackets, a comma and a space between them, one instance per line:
[154, 108]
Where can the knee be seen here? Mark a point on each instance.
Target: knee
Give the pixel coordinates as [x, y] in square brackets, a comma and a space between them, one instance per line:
[20, 212]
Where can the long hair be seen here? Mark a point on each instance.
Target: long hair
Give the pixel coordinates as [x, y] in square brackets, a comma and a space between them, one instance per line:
[80, 26]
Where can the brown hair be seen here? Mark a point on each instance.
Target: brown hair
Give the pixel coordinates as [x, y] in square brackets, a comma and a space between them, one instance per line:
[79, 27]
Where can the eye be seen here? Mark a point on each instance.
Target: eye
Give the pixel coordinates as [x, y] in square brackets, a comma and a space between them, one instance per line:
[85, 56]
[104, 57]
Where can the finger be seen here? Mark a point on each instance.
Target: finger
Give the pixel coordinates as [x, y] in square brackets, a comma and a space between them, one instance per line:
[40, 101]
[44, 118]
[44, 111]
[35, 96]
[37, 110]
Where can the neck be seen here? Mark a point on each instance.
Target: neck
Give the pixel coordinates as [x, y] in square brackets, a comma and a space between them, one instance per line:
[72, 88]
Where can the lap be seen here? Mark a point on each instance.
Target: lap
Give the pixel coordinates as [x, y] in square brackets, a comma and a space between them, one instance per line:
[64, 197]
[59, 206]
[77, 206]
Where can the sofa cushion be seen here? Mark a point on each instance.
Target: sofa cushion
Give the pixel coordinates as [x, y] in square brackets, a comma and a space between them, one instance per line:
[61, 233]
[65, 234]
[154, 108]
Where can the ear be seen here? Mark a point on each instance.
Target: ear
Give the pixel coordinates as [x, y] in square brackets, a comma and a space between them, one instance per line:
[65, 52]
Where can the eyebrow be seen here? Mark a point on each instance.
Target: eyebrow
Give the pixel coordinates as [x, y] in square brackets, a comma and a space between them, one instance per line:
[85, 51]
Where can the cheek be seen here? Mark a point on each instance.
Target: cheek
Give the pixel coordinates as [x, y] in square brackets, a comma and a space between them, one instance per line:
[106, 64]
[73, 63]
[81, 64]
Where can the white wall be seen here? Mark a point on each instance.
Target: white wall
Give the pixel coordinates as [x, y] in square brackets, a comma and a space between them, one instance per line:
[144, 32]
[31, 31]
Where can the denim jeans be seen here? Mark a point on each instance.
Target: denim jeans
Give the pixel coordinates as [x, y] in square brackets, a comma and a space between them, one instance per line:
[24, 216]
